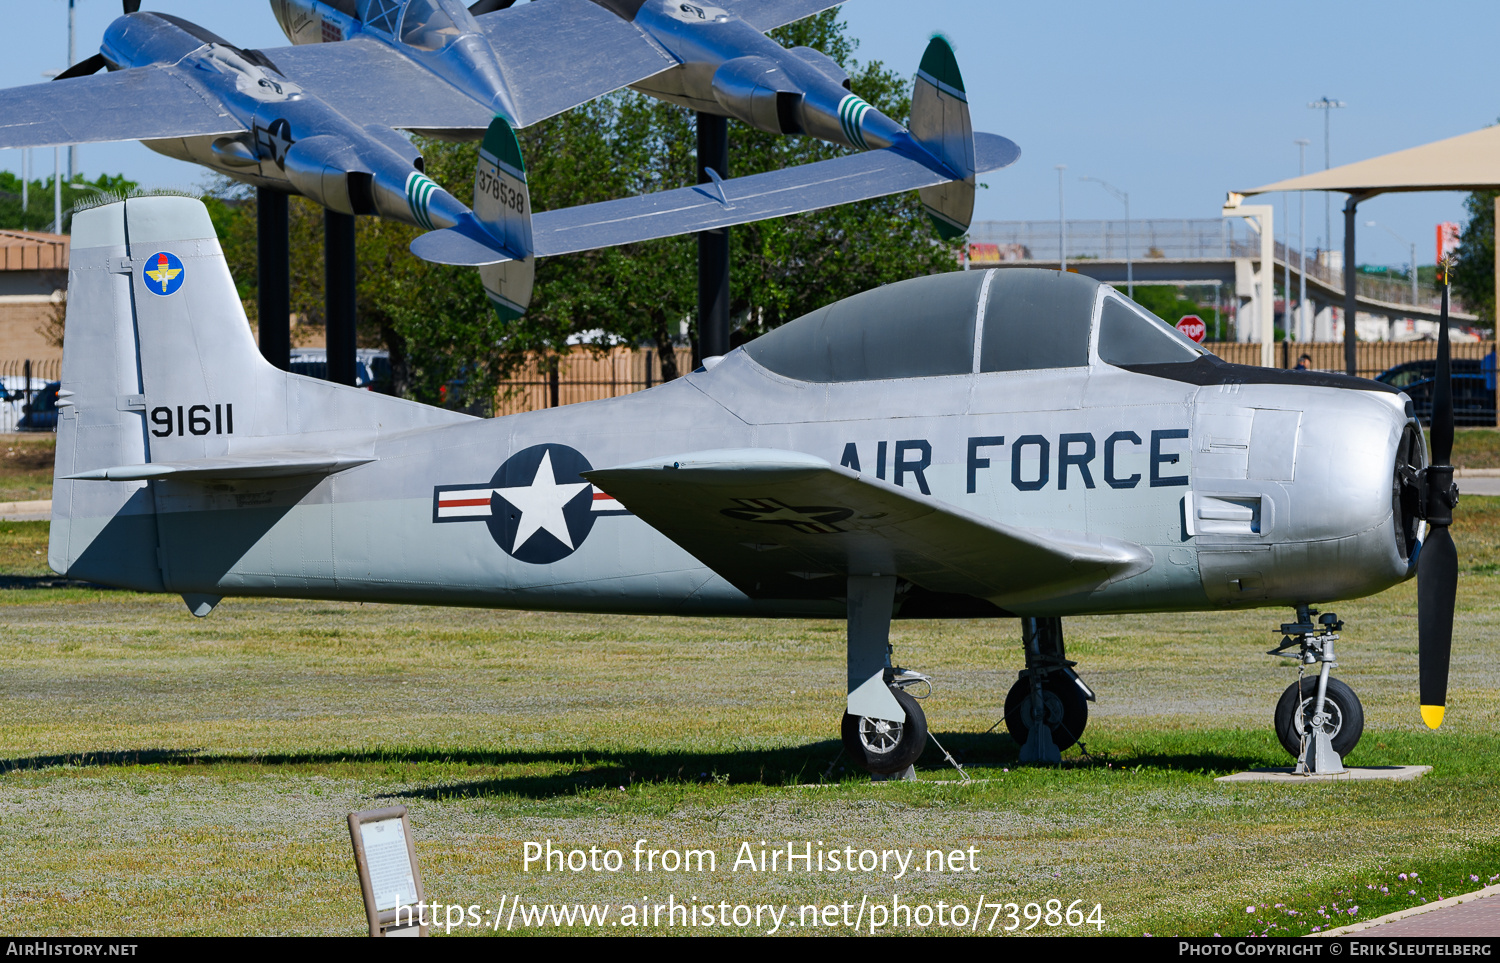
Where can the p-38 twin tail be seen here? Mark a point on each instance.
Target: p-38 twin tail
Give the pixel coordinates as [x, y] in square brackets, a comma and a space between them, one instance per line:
[1011, 444]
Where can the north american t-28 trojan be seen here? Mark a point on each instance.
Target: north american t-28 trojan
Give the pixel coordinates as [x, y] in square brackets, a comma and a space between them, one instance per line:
[322, 118]
[1005, 443]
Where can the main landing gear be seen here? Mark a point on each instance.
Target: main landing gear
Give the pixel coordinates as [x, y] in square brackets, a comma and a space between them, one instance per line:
[1318, 720]
[884, 729]
[1047, 709]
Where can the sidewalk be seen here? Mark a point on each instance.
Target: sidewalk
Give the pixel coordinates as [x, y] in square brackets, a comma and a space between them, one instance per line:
[37, 511]
[1468, 914]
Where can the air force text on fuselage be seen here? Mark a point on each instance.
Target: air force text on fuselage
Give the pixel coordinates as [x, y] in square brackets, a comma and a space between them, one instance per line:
[1034, 461]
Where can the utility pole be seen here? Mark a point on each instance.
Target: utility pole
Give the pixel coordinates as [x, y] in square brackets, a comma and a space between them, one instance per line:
[1302, 143]
[1121, 196]
[1062, 222]
[1327, 106]
[72, 59]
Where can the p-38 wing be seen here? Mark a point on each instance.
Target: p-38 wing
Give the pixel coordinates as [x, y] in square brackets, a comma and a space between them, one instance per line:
[782, 524]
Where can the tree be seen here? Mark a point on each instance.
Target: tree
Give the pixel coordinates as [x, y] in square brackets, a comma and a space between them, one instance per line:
[1474, 267]
[39, 203]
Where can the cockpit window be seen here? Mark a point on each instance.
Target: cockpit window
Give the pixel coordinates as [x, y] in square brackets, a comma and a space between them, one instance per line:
[427, 26]
[1129, 334]
[380, 14]
[912, 329]
[1037, 319]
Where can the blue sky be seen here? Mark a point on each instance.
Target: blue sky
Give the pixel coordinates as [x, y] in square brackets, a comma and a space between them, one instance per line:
[1174, 102]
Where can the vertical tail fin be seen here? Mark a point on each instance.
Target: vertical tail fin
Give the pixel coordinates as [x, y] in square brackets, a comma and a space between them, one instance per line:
[940, 123]
[502, 204]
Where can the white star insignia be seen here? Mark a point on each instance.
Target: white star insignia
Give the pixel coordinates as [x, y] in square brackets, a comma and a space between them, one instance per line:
[541, 505]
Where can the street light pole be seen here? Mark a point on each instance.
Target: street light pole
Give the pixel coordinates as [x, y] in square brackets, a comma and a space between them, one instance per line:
[1302, 143]
[1327, 106]
[1121, 196]
[1062, 222]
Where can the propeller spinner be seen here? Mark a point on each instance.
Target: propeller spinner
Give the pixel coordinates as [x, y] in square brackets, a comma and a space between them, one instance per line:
[1437, 565]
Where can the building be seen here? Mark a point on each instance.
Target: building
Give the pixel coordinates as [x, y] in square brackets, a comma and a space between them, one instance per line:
[33, 287]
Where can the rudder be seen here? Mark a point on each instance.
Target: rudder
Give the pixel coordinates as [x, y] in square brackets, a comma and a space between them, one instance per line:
[940, 123]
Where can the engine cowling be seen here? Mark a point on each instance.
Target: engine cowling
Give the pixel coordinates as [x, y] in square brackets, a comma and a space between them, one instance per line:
[758, 91]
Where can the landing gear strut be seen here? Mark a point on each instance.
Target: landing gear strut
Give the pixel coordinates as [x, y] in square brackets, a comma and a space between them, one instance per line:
[1047, 709]
[1320, 720]
[884, 729]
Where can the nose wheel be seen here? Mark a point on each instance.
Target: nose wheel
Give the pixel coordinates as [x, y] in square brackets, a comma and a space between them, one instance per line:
[1318, 718]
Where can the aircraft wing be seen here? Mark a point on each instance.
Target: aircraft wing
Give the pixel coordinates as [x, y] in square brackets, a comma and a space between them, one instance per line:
[562, 53]
[764, 15]
[782, 524]
[793, 190]
[142, 103]
[364, 79]
[228, 467]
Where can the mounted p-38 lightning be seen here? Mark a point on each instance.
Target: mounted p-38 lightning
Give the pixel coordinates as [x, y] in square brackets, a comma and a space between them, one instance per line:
[321, 120]
[1002, 444]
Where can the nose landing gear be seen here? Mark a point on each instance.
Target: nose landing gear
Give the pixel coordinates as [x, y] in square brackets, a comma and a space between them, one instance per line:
[1317, 720]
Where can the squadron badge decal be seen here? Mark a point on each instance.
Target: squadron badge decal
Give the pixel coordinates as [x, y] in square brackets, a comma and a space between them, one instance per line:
[163, 273]
[537, 506]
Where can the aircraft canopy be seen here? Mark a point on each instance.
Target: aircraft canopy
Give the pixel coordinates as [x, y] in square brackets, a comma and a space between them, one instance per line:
[924, 327]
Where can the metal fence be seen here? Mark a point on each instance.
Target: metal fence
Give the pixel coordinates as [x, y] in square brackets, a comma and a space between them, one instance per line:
[1200, 239]
[22, 380]
[1371, 357]
[584, 375]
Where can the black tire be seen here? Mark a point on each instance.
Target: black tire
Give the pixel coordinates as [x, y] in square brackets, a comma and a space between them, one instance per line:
[1067, 710]
[883, 747]
[1347, 716]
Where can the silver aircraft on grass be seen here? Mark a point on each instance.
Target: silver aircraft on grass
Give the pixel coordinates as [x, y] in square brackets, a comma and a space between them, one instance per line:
[322, 121]
[1006, 444]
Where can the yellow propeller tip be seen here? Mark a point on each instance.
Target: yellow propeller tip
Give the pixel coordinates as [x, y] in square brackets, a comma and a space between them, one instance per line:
[1433, 716]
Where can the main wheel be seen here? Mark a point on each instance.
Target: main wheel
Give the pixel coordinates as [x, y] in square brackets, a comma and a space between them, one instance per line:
[1346, 717]
[884, 747]
[1067, 712]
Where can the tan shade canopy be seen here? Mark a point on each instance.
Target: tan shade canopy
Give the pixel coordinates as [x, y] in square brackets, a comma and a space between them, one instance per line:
[1468, 162]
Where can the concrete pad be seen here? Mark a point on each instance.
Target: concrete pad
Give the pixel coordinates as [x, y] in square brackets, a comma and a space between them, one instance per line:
[1454, 916]
[1478, 486]
[39, 510]
[1355, 773]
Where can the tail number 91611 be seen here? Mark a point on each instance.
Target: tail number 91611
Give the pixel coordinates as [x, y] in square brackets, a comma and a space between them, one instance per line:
[192, 420]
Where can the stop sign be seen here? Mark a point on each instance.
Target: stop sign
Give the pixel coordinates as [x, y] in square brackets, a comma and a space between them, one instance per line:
[1193, 326]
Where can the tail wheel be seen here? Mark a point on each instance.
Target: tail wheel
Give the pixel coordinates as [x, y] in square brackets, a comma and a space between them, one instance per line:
[1065, 708]
[884, 747]
[1345, 722]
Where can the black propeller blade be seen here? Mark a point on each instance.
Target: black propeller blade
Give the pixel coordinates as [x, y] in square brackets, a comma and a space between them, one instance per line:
[1437, 566]
[132, 6]
[84, 67]
[489, 6]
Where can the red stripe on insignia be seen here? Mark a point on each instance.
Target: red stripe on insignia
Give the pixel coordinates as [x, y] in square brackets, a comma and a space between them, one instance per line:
[603, 497]
[460, 502]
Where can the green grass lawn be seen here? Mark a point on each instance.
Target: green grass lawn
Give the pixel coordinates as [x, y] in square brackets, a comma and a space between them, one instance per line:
[165, 774]
[26, 467]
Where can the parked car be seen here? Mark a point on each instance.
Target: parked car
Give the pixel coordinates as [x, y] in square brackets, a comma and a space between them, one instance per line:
[372, 368]
[41, 414]
[1473, 398]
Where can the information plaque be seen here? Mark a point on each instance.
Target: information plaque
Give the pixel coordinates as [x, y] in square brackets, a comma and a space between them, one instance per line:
[388, 875]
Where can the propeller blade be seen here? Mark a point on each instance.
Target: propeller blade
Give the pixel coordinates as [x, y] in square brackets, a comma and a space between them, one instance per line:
[132, 6]
[489, 6]
[1437, 586]
[84, 67]
[1442, 389]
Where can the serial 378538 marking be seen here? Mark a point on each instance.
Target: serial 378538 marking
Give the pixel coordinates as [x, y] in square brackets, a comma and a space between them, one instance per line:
[192, 420]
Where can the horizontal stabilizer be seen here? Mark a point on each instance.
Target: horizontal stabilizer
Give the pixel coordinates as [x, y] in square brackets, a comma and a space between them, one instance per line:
[782, 524]
[793, 190]
[451, 245]
[259, 465]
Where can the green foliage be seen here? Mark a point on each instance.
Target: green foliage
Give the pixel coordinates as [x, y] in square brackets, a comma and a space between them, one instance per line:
[38, 213]
[1169, 304]
[1474, 272]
